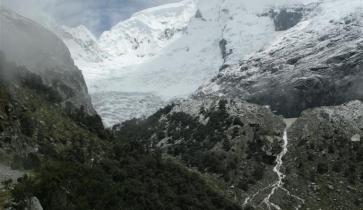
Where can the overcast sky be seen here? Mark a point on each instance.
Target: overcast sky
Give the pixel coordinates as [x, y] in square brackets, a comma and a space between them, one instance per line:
[97, 15]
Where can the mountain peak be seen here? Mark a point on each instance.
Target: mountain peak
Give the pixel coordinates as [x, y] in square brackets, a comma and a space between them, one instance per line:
[147, 32]
[169, 51]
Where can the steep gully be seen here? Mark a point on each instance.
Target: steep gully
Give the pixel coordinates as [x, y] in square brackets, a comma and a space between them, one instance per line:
[278, 185]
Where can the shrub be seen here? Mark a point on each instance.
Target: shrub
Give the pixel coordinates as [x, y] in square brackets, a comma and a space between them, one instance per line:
[322, 168]
[23, 191]
[27, 126]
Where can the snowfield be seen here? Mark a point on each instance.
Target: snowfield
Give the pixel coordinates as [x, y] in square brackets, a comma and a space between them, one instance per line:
[167, 52]
[318, 62]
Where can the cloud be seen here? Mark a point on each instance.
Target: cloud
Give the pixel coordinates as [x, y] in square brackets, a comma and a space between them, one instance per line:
[97, 15]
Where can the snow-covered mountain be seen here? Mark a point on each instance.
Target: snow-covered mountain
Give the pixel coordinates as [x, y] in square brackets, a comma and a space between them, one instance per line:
[147, 32]
[315, 63]
[167, 52]
[163, 53]
[83, 44]
[130, 42]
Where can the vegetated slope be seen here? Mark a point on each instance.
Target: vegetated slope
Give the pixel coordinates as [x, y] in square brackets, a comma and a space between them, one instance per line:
[74, 164]
[236, 144]
[317, 62]
[34, 126]
[324, 164]
[230, 141]
[78, 165]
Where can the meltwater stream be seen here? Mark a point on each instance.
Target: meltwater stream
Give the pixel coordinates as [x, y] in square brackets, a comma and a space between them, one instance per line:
[278, 185]
[277, 169]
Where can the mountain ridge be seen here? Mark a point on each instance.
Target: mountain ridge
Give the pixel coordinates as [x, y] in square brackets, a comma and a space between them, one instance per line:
[315, 63]
[214, 34]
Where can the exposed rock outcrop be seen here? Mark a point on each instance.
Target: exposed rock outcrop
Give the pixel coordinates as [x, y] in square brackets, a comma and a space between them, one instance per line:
[286, 18]
[34, 204]
[315, 63]
[324, 166]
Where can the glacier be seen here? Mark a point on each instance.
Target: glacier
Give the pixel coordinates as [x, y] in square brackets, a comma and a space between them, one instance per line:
[316, 63]
[166, 52]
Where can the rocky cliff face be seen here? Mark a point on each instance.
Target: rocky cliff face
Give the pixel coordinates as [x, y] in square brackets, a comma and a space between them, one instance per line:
[317, 62]
[26, 43]
[43, 96]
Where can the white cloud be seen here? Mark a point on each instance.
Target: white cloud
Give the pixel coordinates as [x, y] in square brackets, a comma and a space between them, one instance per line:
[98, 15]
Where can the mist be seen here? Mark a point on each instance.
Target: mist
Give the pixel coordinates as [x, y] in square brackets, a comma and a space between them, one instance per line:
[96, 15]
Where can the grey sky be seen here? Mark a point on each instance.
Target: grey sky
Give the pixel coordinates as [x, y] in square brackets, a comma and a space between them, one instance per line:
[97, 15]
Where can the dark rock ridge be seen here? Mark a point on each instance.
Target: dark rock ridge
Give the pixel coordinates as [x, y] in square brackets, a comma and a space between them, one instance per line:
[286, 18]
[28, 44]
[318, 62]
[324, 164]
[233, 141]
